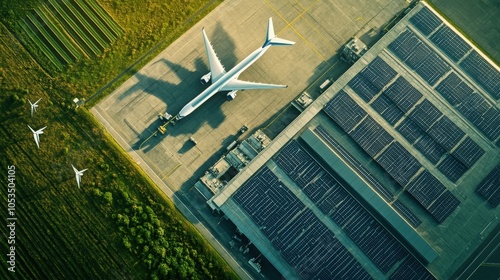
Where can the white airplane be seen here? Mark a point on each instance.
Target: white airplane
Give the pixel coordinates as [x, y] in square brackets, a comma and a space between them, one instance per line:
[36, 135]
[34, 106]
[228, 81]
[78, 175]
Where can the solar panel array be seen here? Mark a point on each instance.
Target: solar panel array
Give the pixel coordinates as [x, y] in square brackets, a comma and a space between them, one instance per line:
[387, 109]
[425, 114]
[430, 148]
[434, 134]
[391, 155]
[344, 111]
[371, 136]
[407, 214]
[484, 73]
[363, 87]
[489, 187]
[471, 105]
[410, 130]
[454, 89]
[468, 152]
[426, 21]
[366, 232]
[450, 43]
[433, 195]
[372, 79]
[446, 133]
[378, 72]
[418, 56]
[354, 163]
[452, 168]
[304, 242]
[399, 163]
[403, 94]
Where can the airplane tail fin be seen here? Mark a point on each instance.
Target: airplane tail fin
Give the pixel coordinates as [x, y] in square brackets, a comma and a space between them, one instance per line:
[271, 38]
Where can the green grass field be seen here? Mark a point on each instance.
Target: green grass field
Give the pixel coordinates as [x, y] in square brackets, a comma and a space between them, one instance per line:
[117, 225]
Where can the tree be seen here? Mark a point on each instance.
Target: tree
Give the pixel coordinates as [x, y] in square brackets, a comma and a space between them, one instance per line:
[108, 197]
[163, 269]
[127, 243]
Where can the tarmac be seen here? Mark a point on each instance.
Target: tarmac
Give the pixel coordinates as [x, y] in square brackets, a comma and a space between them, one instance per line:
[235, 29]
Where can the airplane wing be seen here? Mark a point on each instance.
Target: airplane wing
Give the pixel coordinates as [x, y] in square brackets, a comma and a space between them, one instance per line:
[215, 65]
[242, 85]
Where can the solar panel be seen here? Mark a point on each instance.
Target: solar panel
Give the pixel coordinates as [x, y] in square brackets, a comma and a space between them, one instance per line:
[425, 188]
[418, 55]
[489, 123]
[483, 72]
[403, 94]
[453, 89]
[404, 44]
[425, 114]
[407, 214]
[478, 103]
[426, 21]
[452, 168]
[468, 152]
[399, 163]
[444, 206]
[489, 189]
[363, 87]
[446, 133]
[430, 148]
[378, 72]
[432, 68]
[450, 43]
[410, 131]
[371, 136]
[344, 111]
[387, 109]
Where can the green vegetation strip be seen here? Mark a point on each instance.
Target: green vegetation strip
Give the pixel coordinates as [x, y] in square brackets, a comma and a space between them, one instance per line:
[70, 24]
[105, 17]
[63, 38]
[51, 40]
[79, 18]
[93, 18]
[43, 46]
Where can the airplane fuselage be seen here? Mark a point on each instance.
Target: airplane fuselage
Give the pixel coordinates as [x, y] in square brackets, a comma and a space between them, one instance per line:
[217, 85]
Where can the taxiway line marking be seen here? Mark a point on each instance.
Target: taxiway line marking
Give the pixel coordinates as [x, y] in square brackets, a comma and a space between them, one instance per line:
[313, 27]
[289, 24]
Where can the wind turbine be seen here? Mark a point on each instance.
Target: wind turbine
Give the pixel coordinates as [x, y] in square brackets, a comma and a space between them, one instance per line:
[34, 106]
[78, 174]
[36, 135]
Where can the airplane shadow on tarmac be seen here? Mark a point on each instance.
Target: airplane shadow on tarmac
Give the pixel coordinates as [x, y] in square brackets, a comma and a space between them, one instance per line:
[176, 95]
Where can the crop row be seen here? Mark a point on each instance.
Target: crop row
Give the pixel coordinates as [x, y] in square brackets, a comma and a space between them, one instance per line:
[43, 45]
[79, 30]
[112, 25]
[67, 30]
[57, 42]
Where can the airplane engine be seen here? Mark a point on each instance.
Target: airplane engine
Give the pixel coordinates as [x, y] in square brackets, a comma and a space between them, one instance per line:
[205, 79]
[231, 95]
